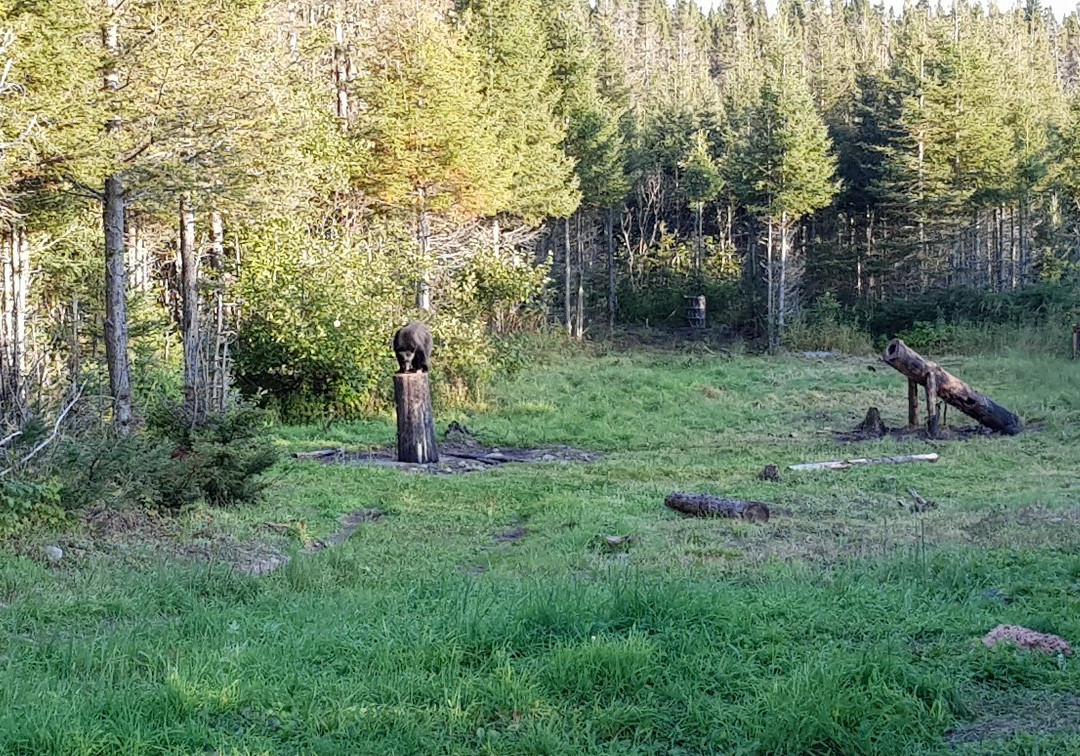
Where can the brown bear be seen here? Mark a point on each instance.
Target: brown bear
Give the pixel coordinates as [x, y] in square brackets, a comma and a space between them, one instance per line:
[412, 346]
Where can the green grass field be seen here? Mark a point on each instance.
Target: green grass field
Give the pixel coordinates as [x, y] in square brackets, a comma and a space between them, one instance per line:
[847, 625]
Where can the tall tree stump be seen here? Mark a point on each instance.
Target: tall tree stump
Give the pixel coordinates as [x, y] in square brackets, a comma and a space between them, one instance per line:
[415, 419]
[950, 389]
[1076, 342]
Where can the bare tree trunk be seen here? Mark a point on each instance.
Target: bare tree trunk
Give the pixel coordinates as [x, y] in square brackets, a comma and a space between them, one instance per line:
[219, 357]
[8, 378]
[194, 395]
[579, 318]
[609, 240]
[781, 293]
[770, 309]
[567, 276]
[20, 290]
[139, 275]
[76, 347]
[1020, 270]
[341, 76]
[116, 317]
[423, 235]
[698, 254]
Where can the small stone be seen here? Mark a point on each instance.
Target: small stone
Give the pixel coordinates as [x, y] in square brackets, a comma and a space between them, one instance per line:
[54, 553]
[993, 594]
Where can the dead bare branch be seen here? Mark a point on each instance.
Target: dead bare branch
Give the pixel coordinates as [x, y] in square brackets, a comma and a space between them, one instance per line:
[52, 436]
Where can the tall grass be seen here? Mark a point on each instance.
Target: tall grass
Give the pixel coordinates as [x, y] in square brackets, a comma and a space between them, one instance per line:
[855, 660]
[847, 625]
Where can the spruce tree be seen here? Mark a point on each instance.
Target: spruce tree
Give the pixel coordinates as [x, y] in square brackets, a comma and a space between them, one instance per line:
[519, 98]
[787, 172]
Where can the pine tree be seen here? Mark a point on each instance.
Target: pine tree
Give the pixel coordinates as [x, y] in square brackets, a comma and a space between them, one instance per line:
[702, 182]
[787, 172]
[520, 98]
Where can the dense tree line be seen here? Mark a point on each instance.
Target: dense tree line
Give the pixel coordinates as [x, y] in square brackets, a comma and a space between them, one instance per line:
[263, 189]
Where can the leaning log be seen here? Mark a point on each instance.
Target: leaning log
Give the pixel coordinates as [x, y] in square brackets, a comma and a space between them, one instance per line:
[703, 505]
[415, 419]
[951, 389]
[844, 464]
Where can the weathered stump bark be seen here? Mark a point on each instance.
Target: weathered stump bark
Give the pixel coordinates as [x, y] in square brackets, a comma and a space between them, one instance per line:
[932, 421]
[415, 419]
[703, 505]
[771, 473]
[872, 425]
[951, 389]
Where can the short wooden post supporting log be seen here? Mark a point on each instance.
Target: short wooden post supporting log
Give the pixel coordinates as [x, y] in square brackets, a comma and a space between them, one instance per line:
[415, 419]
[912, 403]
[951, 389]
[931, 406]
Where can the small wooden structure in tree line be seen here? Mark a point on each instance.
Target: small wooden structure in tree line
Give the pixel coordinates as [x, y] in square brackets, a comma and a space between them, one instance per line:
[939, 384]
[415, 418]
[695, 312]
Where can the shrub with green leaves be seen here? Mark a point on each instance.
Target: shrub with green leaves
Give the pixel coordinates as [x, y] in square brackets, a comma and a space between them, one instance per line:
[827, 326]
[318, 316]
[26, 504]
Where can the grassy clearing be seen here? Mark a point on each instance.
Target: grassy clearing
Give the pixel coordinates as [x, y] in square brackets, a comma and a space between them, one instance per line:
[847, 625]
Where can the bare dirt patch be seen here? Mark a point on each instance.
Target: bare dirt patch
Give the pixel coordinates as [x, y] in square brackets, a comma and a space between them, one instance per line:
[454, 458]
[873, 428]
[1003, 718]
[511, 535]
[264, 561]
[141, 537]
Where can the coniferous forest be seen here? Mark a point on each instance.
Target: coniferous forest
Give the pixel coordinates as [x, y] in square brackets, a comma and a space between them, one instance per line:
[841, 516]
[222, 197]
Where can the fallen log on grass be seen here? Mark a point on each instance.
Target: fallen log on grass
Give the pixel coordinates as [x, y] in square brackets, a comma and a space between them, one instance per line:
[703, 505]
[844, 464]
[953, 391]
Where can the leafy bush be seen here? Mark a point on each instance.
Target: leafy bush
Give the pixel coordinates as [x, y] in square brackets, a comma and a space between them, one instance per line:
[26, 504]
[664, 275]
[938, 336]
[969, 338]
[660, 300]
[1043, 303]
[826, 325]
[318, 317]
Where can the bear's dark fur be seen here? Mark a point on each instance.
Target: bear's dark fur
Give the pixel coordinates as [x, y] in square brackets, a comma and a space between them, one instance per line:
[412, 346]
